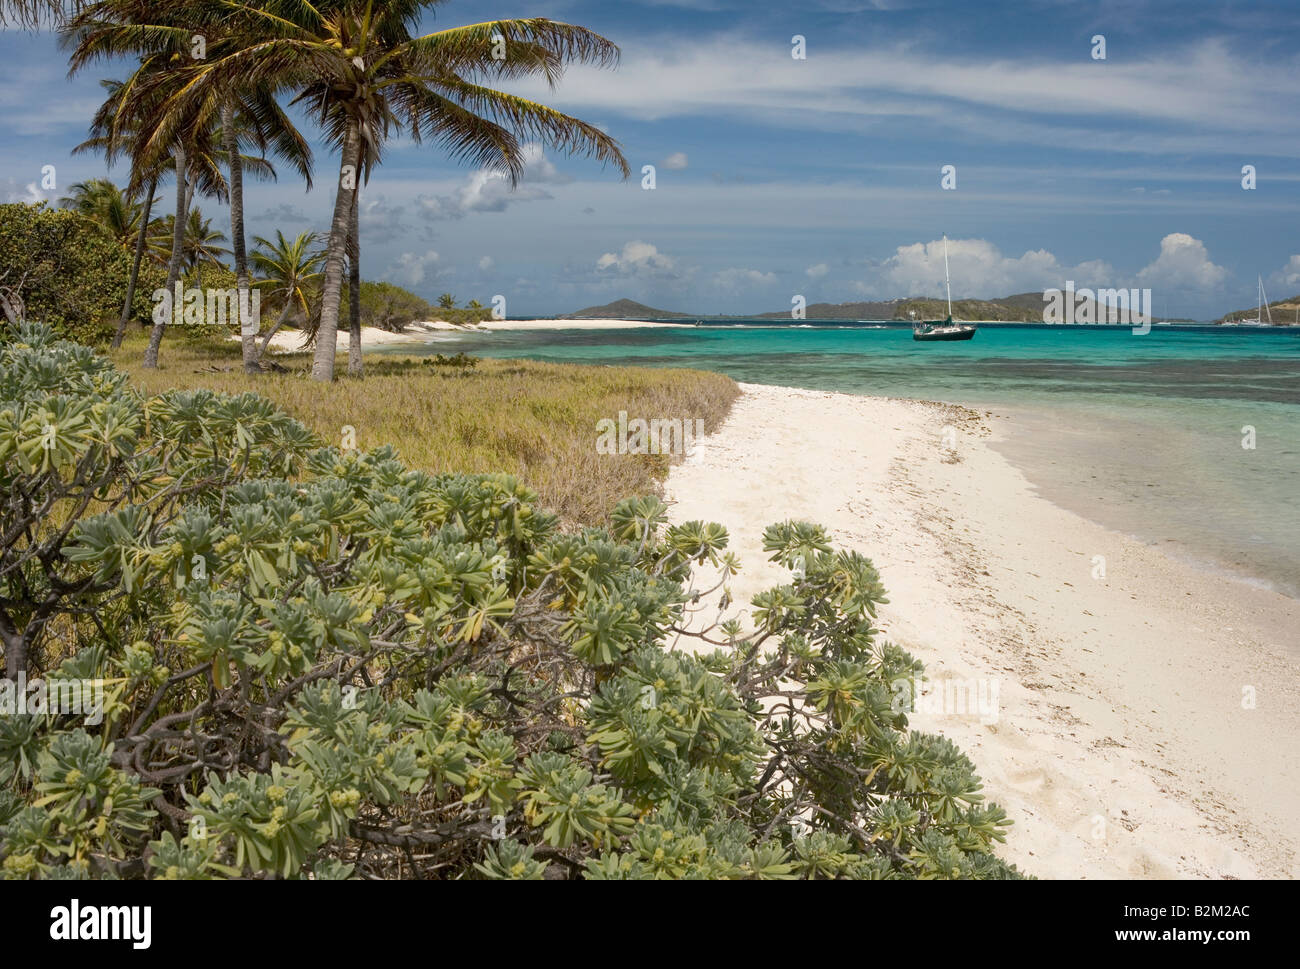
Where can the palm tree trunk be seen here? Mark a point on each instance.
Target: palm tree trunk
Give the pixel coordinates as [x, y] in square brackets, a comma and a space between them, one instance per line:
[247, 328]
[354, 288]
[284, 315]
[135, 265]
[174, 266]
[322, 367]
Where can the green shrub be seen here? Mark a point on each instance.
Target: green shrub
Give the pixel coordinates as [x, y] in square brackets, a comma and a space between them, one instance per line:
[325, 664]
[386, 306]
[69, 273]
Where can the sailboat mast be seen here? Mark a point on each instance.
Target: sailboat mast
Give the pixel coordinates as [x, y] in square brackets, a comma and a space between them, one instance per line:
[946, 281]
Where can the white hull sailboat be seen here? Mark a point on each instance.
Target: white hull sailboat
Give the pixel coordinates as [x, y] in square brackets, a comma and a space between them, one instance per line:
[1260, 310]
[943, 329]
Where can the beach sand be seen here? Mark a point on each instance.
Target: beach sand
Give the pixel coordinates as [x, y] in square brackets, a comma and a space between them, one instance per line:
[290, 341]
[1126, 742]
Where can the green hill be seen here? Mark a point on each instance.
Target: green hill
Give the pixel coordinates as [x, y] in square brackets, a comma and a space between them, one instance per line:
[623, 309]
[1283, 311]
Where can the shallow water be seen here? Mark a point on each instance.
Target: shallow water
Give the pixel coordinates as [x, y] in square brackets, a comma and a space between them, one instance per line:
[1142, 433]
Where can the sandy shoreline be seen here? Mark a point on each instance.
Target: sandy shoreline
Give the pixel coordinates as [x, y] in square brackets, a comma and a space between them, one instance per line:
[290, 341]
[1123, 746]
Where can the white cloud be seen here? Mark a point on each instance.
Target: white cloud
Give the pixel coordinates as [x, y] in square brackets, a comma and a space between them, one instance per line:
[1183, 263]
[817, 271]
[485, 263]
[30, 194]
[737, 278]
[978, 269]
[489, 190]
[638, 259]
[412, 268]
[1194, 88]
[376, 212]
[1288, 276]
[676, 161]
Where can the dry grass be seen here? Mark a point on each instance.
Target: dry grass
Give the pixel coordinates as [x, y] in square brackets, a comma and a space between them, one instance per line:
[535, 420]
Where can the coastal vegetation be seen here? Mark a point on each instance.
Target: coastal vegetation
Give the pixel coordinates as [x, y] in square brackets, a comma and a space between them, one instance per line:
[363, 78]
[530, 419]
[61, 267]
[315, 661]
[261, 623]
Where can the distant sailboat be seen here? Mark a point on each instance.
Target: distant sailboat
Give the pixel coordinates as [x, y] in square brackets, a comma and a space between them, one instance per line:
[943, 329]
[1260, 310]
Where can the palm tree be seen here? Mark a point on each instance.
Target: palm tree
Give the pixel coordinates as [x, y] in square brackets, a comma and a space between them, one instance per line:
[191, 151]
[30, 13]
[361, 72]
[103, 203]
[251, 114]
[103, 139]
[291, 272]
[206, 132]
[446, 301]
[200, 246]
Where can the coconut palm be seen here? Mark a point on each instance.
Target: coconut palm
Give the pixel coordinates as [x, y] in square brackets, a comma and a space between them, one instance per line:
[209, 132]
[200, 246]
[192, 154]
[291, 274]
[112, 137]
[99, 200]
[446, 301]
[31, 13]
[357, 67]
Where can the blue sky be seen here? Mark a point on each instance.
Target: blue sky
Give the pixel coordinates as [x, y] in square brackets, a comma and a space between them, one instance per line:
[821, 177]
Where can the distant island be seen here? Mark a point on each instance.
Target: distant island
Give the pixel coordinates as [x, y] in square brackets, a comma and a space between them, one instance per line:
[624, 309]
[1285, 312]
[1020, 308]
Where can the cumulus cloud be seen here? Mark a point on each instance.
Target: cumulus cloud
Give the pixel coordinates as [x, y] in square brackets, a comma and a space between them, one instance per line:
[978, 269]
[376, 212]
[638, 259]
[676, 161]
[1183, 263]
[489, 190]
[413, 268]
[817, 271]
[29, 194]
[1288, 276]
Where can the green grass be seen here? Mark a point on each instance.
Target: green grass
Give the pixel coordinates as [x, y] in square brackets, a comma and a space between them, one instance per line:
[534, 420]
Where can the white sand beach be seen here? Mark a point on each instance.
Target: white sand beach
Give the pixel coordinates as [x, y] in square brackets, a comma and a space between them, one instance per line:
[290, 341]
[1125, 743]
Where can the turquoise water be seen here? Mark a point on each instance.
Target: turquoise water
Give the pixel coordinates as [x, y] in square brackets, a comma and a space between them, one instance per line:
[1140, 432]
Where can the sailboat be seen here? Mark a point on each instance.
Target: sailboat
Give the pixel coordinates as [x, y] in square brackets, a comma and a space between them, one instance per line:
[1262, 308]
[943, 329]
